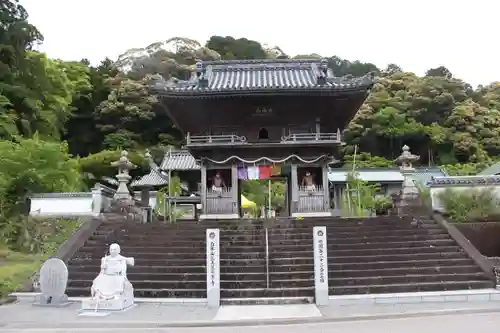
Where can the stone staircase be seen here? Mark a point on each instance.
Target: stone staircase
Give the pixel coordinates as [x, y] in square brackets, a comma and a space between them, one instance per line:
[393, 254]
[243, 262]
[376, 255]
[170, 259]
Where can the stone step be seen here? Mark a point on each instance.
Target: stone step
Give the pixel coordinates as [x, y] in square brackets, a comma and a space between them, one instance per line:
[93, 269]
[307, 232]
[395, 251]
[410, 287]
[200, 284]
[188, 255]
[380, 239]
[403, 271]
[267, 301]
[146, 293]
[367, 244]
[334, 259]
[267, 292]
[406, 263]
[259, 268]
[172, 261]
[300, 258]
[402, 279]
[233, 276]
[261, 242]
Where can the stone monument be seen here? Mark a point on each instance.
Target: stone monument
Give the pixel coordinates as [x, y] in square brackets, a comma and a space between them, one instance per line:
[406, 160]
[53, 281]
[111, 290]
[124, 166]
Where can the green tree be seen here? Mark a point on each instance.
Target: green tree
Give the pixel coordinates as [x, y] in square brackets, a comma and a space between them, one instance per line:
[34, 166]
[230, 48]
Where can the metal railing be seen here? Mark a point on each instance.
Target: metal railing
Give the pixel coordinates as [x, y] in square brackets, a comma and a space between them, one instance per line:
[214, 139]
[310, 137]
[267, 259]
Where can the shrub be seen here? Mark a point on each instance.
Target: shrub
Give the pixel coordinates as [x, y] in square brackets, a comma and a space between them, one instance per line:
[469, 205]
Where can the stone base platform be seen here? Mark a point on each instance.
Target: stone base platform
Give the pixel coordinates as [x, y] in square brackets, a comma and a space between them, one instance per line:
[118, 304]
[219, 216]
[313, 214]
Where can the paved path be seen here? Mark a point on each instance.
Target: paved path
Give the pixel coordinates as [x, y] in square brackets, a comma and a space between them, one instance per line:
[483, 323]
[23, 317]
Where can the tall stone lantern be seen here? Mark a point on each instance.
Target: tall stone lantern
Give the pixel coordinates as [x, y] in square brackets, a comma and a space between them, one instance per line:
[406, 160]
[124, 166]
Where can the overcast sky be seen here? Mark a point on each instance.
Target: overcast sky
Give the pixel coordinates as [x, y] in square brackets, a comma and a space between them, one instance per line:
[463, 35]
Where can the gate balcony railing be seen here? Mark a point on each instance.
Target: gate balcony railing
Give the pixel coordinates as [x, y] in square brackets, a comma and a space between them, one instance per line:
[200, 140]
[312, 137]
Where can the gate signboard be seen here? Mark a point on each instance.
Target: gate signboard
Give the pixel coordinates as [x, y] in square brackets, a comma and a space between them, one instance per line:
[213, 268]
[320, 265]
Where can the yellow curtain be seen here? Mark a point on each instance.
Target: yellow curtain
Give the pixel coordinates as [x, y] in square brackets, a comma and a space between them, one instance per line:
[245, 203]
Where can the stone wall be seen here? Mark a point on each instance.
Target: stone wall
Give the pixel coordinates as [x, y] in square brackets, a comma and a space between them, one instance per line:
[485, 236]
[461, 183]
[72, 204]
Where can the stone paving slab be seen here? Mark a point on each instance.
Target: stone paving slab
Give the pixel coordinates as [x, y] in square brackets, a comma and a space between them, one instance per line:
[27, 313]
[458, 323]
[149, 316]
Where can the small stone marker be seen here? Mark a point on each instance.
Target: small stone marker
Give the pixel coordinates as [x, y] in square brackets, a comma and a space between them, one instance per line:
[53, 282]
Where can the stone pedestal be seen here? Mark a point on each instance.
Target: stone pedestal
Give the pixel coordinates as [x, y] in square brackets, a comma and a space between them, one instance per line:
[122, 192]
[116, 304]
[49, 301]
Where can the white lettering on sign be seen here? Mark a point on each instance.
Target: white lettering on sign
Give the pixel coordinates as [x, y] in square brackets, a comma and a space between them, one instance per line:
[213, 259]
[320, 258]
[102, 304]
[263, 111]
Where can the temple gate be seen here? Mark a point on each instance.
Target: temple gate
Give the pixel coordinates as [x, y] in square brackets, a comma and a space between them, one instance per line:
[241, 117]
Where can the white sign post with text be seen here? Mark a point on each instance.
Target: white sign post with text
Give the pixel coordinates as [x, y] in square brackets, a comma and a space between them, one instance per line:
[320, 265]
[213, 268]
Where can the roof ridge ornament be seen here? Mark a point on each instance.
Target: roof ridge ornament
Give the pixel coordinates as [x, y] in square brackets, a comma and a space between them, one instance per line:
[321, 72]
[201, 70]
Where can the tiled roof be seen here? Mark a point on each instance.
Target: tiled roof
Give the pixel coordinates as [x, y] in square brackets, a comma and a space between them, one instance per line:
[374, 175]
[465, 181]
[491, 170]
[153, 178]
[62, 195]
[424, 175]
[367, 175]
[264, 75]
[179, 160]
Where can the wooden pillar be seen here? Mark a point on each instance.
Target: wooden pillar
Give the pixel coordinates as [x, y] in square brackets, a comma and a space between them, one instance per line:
[295, 189]
[145, 196]
[203, 188]
[326, 187]
[234, 188]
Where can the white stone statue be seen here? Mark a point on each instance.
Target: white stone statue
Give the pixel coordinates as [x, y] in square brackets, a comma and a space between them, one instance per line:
[111, 290]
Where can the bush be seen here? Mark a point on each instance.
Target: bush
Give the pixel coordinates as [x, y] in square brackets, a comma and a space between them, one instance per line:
[99, 165]
[469, 205]
[28, 245]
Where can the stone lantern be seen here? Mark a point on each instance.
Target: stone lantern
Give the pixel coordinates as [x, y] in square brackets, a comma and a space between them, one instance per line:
[124, 166]
[406, 160]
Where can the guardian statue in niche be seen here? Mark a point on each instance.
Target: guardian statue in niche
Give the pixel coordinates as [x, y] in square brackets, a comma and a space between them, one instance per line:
[308, 182]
